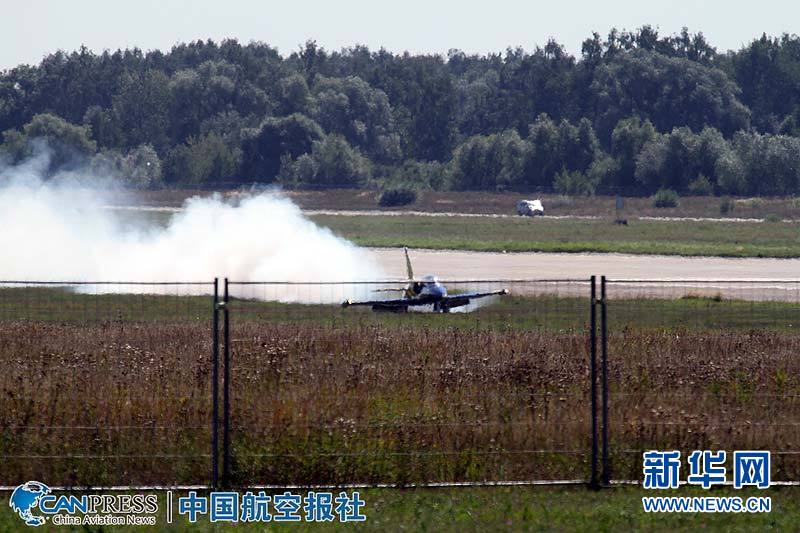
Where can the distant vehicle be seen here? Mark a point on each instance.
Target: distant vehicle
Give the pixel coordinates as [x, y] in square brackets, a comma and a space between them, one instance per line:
[530, 208]
[427, 291]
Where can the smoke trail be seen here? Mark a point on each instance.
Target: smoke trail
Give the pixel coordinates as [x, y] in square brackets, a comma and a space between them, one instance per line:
[57, 229]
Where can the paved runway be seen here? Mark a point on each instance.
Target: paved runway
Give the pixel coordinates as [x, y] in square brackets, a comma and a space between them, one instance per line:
[750, 278]
[490, 265]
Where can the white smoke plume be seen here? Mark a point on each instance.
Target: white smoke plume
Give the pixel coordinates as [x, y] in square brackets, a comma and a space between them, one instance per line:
[57, 229]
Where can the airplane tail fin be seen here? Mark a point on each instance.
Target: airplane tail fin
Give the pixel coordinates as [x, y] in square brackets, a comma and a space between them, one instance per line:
[409, 270]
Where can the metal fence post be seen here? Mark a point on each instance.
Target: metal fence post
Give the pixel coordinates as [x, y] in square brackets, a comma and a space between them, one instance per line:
[604, 377]
[226, 391]
[593, 373]
[215, 388]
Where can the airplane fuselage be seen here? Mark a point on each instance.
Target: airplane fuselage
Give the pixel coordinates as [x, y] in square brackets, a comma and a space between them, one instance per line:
[429, 291]
[429, 286]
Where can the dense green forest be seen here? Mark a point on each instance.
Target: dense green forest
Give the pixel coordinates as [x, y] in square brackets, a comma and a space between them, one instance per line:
[636, 112]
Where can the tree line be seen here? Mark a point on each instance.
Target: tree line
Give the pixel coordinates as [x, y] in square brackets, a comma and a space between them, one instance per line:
[634, 112]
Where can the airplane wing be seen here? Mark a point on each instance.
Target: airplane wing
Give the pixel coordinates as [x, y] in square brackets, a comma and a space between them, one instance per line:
[395, 302]
[457, 300]
[413, 298]
[397, 289]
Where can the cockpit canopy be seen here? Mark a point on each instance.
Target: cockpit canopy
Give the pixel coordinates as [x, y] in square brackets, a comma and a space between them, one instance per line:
[432, 287]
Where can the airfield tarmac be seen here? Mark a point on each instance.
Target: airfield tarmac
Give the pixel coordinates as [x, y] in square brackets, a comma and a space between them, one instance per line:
[455, 264]
[687, 275]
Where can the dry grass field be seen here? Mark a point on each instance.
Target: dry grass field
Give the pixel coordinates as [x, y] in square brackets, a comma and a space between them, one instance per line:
[320, 395]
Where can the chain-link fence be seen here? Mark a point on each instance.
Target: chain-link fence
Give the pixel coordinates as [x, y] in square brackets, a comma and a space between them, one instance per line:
[105, 383]
[703, 365]
[558, 380]
[493, 390]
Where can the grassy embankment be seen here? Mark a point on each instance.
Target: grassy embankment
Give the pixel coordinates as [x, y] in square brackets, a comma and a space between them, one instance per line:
[687, 238]
[517, 234]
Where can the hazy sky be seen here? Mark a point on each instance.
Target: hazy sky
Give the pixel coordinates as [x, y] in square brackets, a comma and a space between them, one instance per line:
[29, 29]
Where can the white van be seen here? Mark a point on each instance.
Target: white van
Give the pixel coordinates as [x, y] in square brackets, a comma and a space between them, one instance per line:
[530, 208]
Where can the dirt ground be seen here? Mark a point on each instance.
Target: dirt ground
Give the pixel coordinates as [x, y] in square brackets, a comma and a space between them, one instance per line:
[489, 203]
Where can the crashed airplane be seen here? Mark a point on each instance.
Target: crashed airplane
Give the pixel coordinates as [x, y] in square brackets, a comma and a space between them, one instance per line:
[425, 292]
